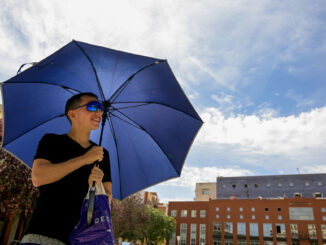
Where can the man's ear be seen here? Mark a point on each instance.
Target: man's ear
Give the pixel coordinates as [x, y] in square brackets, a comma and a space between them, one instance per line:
[71, 114]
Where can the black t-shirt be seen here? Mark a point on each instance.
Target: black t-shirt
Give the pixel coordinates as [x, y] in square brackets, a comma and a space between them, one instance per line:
[58, 208]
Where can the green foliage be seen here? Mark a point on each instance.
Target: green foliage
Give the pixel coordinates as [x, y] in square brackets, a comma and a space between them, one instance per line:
[135, 221]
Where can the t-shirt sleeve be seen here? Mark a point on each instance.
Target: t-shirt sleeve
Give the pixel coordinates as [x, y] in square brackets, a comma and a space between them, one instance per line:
[106, 168]
[44, 148]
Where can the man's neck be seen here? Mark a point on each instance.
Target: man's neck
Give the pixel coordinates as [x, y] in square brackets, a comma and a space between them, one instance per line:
[81, 137]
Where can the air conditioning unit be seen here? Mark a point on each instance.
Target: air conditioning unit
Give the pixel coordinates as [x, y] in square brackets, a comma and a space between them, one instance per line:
[318, 194]
[297, 194]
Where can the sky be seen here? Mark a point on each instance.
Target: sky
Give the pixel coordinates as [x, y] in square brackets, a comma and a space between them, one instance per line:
[253, 70]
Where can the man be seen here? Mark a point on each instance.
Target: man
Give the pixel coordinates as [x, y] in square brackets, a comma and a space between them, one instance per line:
[63, 170]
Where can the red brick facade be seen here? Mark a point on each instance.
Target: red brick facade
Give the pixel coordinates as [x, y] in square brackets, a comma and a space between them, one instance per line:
[273, 215]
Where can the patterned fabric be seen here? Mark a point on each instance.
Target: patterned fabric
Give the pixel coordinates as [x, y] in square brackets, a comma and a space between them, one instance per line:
[33, 239]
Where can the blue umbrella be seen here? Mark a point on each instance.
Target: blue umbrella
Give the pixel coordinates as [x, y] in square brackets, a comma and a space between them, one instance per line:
[149, 124]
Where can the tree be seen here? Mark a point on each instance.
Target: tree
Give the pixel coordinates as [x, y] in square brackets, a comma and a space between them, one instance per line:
[128, 216]
[159, 226]
[17, 193]
[135, 221]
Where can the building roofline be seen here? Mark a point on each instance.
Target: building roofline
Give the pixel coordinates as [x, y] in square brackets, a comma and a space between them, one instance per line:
[276, 175]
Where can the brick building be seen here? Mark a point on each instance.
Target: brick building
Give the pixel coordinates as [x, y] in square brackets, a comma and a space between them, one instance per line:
[280, 221]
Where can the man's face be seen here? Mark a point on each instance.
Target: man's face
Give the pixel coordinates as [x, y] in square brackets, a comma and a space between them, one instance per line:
[88, 120]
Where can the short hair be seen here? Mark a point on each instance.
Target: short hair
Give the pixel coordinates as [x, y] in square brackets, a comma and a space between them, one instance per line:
[74, 102]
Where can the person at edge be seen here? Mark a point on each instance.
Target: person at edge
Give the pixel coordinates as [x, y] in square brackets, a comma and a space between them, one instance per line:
[63, 170]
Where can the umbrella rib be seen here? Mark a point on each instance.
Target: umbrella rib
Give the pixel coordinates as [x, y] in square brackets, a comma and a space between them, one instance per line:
[131, 106]
[93, 67]
[116, 146]
[158, 103]
[40, 82]
[33, 128]
[143, 129]
[126, 121]
[124, 85]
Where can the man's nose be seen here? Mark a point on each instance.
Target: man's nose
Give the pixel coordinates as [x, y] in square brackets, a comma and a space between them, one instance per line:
[99, 111]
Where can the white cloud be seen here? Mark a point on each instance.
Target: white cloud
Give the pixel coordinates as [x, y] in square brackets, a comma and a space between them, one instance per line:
[191, 175]
[313, 169]
[292, 136]
[219, 41]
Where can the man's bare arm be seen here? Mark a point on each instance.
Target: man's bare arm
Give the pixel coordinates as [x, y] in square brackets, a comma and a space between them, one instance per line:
[44, 172]
[108, 189]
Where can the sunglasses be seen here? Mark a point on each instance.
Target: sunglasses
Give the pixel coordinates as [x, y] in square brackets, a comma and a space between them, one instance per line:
[92, 106]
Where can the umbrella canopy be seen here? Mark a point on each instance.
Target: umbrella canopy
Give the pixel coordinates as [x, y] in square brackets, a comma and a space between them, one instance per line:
[150, 123]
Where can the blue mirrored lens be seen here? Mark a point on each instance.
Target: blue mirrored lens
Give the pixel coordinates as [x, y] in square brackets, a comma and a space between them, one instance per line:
[94, 106]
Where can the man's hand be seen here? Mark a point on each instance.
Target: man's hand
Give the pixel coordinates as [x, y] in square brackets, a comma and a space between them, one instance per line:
[96, 153]
[96, 175]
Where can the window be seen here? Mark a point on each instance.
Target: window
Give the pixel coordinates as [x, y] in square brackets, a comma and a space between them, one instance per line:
[242, 229]
[228, 242]
[256, 185]
[254, 242]
[193, 228]
[253, 229]
[217, 209]
[241, 209]
[319, 183]
[306, 184]
[228, 216]
[234, 186]
[312, 231]
[246, 186]
[217, 216]
[174, 213]
[268, 185]
[323, 231]
[324, 218]
[193, 213]
[301, 214]
[183, 234]
[172, 240]
[280, 230]
[217, 227]
[241, 216]
[228, 209]
[279, 209]
[183, 213]
[253, 217]
[268, 230]
[266, 209]
[291, 184]
[323, 210]
[294, 231]
[202, 213]
[217, 241]
[228, 228]
[279, 217]
[269, 243]
[242, 242]
[205, 192]
[267, 217]
[252, 209]
[279, 184]
[202, 235]
[223, 186]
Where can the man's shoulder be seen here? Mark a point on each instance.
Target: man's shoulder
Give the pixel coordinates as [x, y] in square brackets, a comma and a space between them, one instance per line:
[52, 137]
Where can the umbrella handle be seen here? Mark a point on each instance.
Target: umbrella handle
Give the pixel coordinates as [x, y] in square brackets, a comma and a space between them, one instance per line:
[91, 198]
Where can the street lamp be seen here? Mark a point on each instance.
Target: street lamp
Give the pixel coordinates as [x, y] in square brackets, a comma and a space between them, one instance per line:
[178, 239]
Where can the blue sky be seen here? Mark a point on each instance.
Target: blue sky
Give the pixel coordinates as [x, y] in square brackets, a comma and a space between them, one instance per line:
[254, 70]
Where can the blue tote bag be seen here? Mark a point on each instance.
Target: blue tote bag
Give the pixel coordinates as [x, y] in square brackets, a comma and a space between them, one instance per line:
[101, 230]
